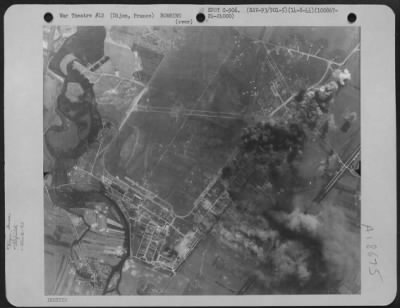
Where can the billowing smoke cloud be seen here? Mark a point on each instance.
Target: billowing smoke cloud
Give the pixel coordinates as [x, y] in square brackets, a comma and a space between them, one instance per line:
[298, 221]
[301, 252]
[341, 247]
[290, 260]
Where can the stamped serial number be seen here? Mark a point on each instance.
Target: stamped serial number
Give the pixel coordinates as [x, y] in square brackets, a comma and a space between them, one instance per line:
[372, 252]
[57, 299]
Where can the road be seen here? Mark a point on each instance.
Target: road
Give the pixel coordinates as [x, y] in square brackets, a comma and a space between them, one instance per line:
[328, 68]
[139, 96]
[345, 166]
[189, 112]
[132, 108]
[310, 55]
[162, 203]
[212, 79]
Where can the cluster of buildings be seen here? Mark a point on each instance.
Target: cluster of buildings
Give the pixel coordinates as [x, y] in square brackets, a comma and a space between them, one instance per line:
[156, 236]
[149, 220]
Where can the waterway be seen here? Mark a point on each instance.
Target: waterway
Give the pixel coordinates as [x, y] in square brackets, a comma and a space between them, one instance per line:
[81, 123]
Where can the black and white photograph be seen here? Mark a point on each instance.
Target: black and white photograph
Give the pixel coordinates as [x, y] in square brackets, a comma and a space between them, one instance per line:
[201, 160]
[200, 155]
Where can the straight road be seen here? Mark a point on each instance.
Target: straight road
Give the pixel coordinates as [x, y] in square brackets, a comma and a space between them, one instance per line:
[328, 187]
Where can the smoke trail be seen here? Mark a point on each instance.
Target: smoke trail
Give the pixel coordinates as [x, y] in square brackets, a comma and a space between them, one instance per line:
[298, 221]
[341, 247]
[339, 244]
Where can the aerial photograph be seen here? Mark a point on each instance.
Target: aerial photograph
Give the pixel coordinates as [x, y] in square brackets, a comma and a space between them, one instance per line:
[200, 160]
